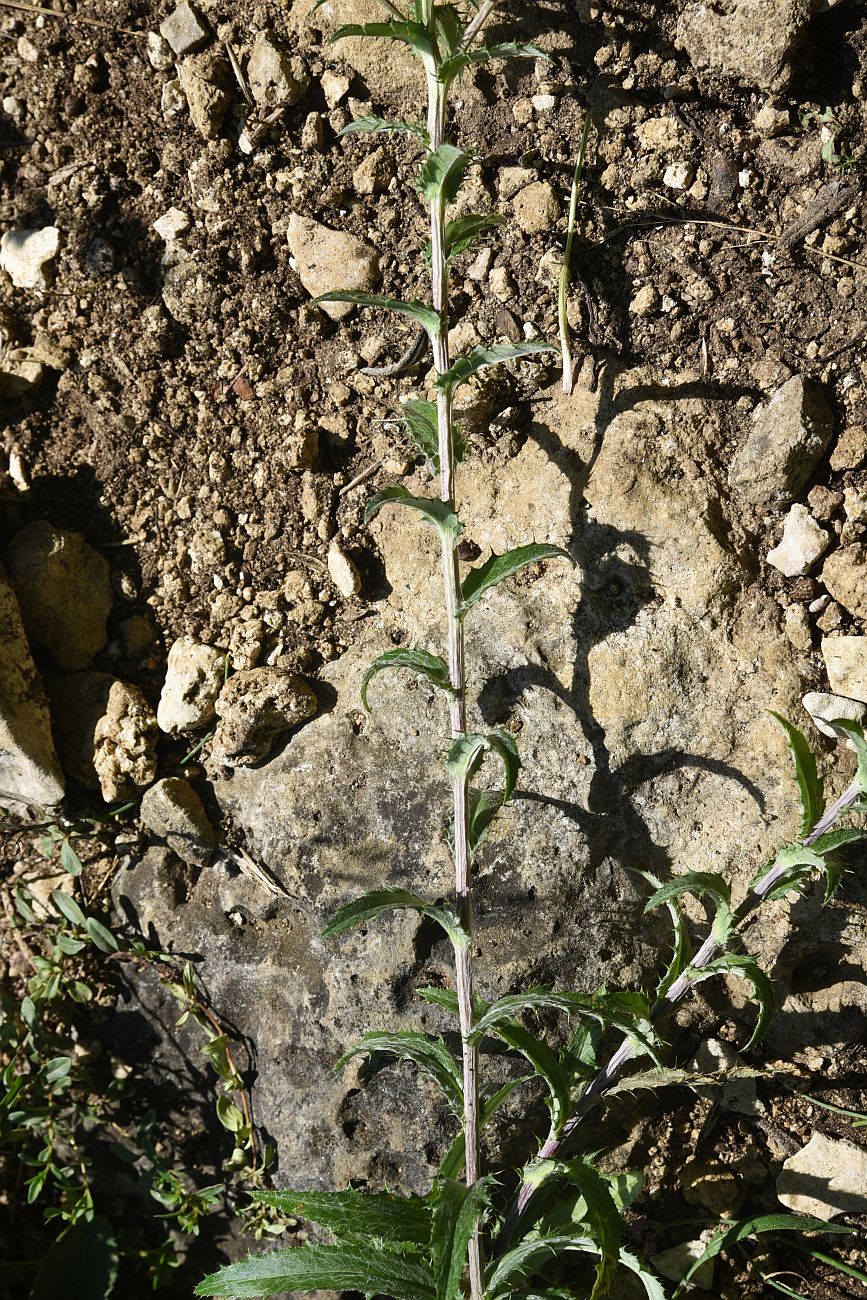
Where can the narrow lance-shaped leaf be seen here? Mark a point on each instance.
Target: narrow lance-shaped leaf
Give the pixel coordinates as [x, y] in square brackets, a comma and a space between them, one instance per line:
[498, 567]
[483, 806]
[465, 756]
[747, 968]
[463, 369]
[464, 232]
[374, 1268]
[680, 949]
[431, 1056]
[357, 1214]
[793, 864]
[415, 35]
[545, 1064]
[434, 512]
[417, 661]
[378, 901]
[417, 311]
[455, 1158]
[702, 884]
[384, 125]
[853, 732]
[753, 1228]
[810, 784]
[456, 1212]
[486, 54]
[596, 1210]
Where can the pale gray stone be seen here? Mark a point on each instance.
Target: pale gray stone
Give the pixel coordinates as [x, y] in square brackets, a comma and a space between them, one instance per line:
[846, 664]
[844, 574]
[173, 812]
[536, 208]
[185, 30]
[826, 1178]
[125, 743]
[25, 254]
[28, 764]
[256, 708]
[331, 259]
[824, 708]
[275, 77]
[194, 677]
[787, 439]
[749, 40]
[342, 571]
[204, 79]
[803, 542]
[64, 589]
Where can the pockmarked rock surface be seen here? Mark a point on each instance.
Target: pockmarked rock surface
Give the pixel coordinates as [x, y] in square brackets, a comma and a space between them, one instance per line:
[783, 447]
[125, 743]
[173, 812]
[750, 40]
[846, 664]
[331, 260]
[256, 707]
[194, 677]
[28, 763]
[64, 589]
[660, 603]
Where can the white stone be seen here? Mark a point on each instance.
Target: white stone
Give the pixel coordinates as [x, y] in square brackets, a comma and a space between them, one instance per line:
[501, 284]
[739, 1095]
[645, 301]
[676, 1261]
[171, 98]
[334, 86]
[802, 543]
[274, 76]
[846, 664]
[159, 52]
[194, 678]
[678, 176]
[825, 1178]
[855, 505]
[24, 255]
[343, 572]
[824, 708]
[544, 103]
[185, 30]
[172, 224]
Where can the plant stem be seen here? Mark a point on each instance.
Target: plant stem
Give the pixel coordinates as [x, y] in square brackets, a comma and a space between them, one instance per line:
[565, 269]
[605, 1077]
[455, 639]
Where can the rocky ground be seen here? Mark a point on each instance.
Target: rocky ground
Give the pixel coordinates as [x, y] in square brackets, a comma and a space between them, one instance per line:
[189, 594]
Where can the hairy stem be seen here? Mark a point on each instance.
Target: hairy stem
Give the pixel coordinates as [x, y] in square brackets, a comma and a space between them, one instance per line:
[455, 638]
[674, 994]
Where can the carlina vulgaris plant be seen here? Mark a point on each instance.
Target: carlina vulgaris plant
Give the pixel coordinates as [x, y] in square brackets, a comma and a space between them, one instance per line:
[465, 1237]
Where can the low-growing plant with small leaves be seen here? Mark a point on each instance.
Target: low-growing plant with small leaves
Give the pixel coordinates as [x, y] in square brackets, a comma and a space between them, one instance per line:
[497, 1233]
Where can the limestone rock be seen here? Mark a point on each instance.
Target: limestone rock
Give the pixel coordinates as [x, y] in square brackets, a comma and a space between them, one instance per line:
[256, 707]
[64, 589]
[28, 763]
[275, 77]
[194, 676]
[771, 121]
[387, 74]
[825, 1178]
[343, 572]
[204, 80]
[536, 208]
[784, 445]
[124, 743]
[173, 811]
[846, 664]
[677, 1260]
[185, 30]
[20, 372]
[331, 259]
[851, 448]
[802, 543]
[749, 40]
[844, 574]
[798, 630]
[24, 255]
[824, 708]
[374, 173]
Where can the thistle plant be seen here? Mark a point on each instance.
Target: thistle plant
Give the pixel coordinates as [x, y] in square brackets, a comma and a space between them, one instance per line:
[482, 1233]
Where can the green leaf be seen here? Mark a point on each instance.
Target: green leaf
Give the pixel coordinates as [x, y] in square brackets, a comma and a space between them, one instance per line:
[653, 1288]
[680, 949]
[417, 311]
[69, 859]
[99, 935]
[599, 1211]
[442, 174]
[229, 1115]
[350, 1213]
[810, 783]
[417, 661]
[467, 752]
[498, 567]
[457, 1210]
[483, 806]
[753, 1228]
[434, 512]
[854, 733]
[739, 964]
[627, 1012]
[377, 901]
[420, 419]
[81, 1265]
[664, 1077]
[67, 907]
[797, 863]
[463, 369]
[465, 232]
[68, 944]
[371, 125]
[373, 1268]
[451, 67]
[545, 1064]
[416, 35]
[527, 1258]
[430, 1055]
[701, 884]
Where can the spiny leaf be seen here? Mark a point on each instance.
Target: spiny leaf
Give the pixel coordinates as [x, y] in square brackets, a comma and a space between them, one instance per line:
[450, 67]
[442, 174]
[599, 1211]
[420, 418]
[680, 949]
[376, 125]
[449, 27]
[377, 901]
[464, 232]
[627, 1012]
[498, 567]
[527, 1258]
[417, 661]
[483, 806]
[463, 369]
[430, 1055]
[455, 1158]
[653, 1288]
[793, 864]
[854, 733]
[664, 1077]
[810, 783]
[415, 35]
[702, 884]
[357, 1214]
[465, 756]
[457, 1210]
[374, 1268]
[732, 963]
[753, 1228]
[434, 512]
[421, 312]
[545, 1064]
